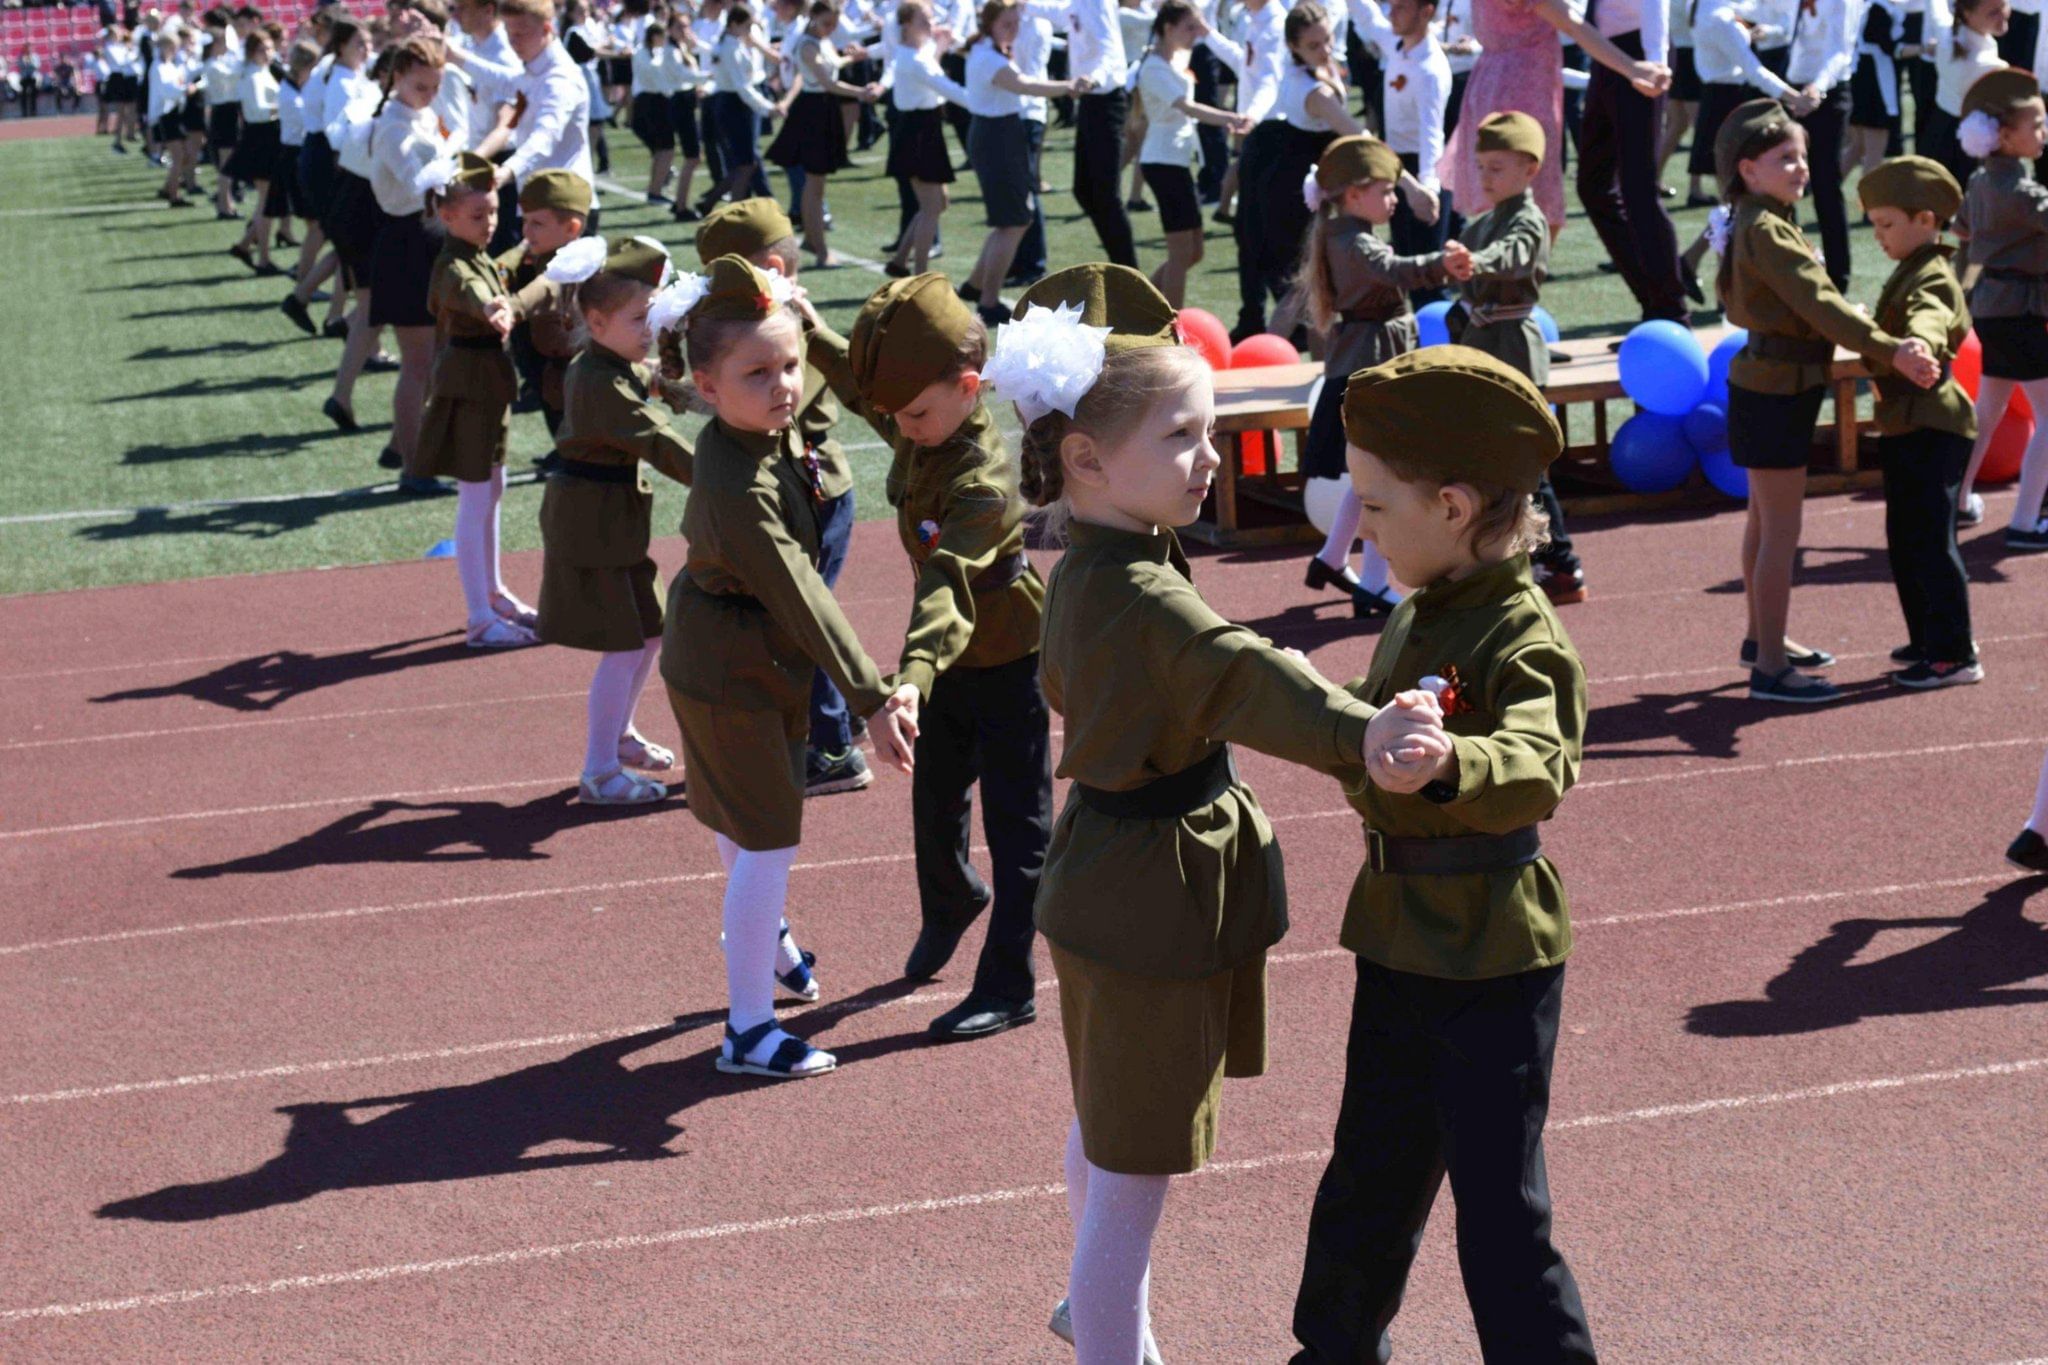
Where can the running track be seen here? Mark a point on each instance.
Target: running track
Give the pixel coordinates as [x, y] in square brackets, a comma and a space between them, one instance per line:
[337, 1030]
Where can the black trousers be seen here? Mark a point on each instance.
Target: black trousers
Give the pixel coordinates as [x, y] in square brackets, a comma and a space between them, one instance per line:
[1825, 128]
[1255, 283]
[1098, 156]
[1411, 236]
[986, 725]
[1207, 70]
[1923, 470]
[1442, 1077]
[1618, 134]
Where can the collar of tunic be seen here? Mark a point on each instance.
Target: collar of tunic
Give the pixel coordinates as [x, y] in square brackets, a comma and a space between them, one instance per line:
[1494, 584]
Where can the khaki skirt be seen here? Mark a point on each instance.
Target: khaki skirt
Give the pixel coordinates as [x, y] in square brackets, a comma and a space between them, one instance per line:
[1147, 1056]
[460, 438]
[736, 787]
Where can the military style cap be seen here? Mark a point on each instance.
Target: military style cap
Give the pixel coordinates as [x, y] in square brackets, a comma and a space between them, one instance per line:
[639, 258]
[1352, 160]
[1113, 296]
[560, 191]
[1995, 92]
[1911, 184]
[742, 228]
[472, 173]
[736, 290]
[1510, 131]
[1758, 123]
[1456, 412]
[908, 336]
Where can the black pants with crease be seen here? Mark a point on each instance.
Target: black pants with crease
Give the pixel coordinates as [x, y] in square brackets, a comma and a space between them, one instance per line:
[1923, 471]
[1098, 158]
[1617, 179]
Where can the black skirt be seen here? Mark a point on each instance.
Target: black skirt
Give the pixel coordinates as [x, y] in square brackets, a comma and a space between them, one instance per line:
[2014, 348]
[121, 88]
[169, 128]
[616, 70]
[1772, 430]
[316, 177]
[682, 116]
[1685, 76]
[282, 199]
[255, 155]
[195, 113]
[223, 126]
[1867, 91]
[917, 147]
[652, 122]
[1000, 149]
[351, 223]
[1174, 188]
[402, 269]
[813, 136]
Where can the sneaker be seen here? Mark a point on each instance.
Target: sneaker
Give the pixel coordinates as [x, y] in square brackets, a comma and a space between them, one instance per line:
[1908, 654]
[2028, 853]
[826, 773]
[1971, 511]
[1803, 658]
[1562, 587]
[1928, 675]
[1790, 686]
[2029, 542]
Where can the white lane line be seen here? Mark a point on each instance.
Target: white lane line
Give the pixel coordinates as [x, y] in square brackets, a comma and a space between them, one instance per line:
[1733, 669]
[1810, 761]
[275, 807]
[872, 1213]
[1803, 898]
[255, 722]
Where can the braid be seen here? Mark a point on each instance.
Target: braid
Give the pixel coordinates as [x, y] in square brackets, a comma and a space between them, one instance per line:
[1043, 481]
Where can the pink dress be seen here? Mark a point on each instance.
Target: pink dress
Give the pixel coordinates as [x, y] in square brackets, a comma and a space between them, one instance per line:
[1520, 68]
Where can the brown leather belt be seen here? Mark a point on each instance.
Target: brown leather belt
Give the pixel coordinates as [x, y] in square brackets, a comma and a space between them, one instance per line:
[1457, 855]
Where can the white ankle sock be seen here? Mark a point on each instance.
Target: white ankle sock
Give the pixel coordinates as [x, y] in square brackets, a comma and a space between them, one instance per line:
[1112, 1271]
[610, 709]
[1373, 575]
[755, 893]
[476, 543]
[649, 656]
[1336, 551]
[2038, 821]
[491, 536]
[788, 957]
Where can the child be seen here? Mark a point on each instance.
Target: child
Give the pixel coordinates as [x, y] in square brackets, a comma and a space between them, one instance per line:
[749, 621]
[1166, 91]
[813, 136]
[598, 588]
[469, 402]
[911, 369]
[734, 109]
[255, 158]
[1510, 250]
[1357, 293]
[2004, 225]
[1926, 444]
[1963, 54]
[918, 155]
[1771, 284]
[1459, 923]
[2029, 852]
[554, 205]
[1162, 888]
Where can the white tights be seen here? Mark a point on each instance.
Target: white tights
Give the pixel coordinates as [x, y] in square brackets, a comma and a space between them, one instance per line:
[1114, 1217]
[2038, 821]
[614, 690]
[1372, 565]
[756, 946]
[1993, 395]
[476, 545]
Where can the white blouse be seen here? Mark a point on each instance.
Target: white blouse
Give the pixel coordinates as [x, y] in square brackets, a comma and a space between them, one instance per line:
[258, 93]
[986, 99]
[402, 141]
[1170, 138]
[1297, 83]
[920, 83]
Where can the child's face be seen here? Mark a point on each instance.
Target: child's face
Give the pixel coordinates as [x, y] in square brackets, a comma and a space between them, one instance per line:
[1503, 175]
[1419, 527]
[1312, 47]
[1900, 234]
[916, 31]
[939, 409]
[1373, 200]
[1159, 473]
[471, 217]
[417, 87]
[2024, 132]
[528, 35]
[623, 330]
[1992, 17]
[547, 231]
[1781, 172]
[356, 50]
[756, 384]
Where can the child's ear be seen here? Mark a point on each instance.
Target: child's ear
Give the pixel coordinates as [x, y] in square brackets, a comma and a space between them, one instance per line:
[1082, 459]
[1459, 505]
[970, 382]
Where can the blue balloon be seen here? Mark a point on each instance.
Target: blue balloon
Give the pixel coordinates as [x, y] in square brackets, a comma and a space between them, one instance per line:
[1722, 472]
[1663, 368]
[1545, 324]
[1717, 365]
[1706, 428]
[1430, 327]
[1650, 453]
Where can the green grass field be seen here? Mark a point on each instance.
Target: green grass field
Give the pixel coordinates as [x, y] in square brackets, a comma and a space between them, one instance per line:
[149, 373]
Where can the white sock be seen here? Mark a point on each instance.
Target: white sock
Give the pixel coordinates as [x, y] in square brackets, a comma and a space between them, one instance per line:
[1373, 574]
[610, 710]
[497, 487]
[1112, 1272]
[638, 684]
[476, 541]
[2038, 821]
[1336, 551]
[1077, 1176]
[788, 957]
[755, 893]
[2026, 509]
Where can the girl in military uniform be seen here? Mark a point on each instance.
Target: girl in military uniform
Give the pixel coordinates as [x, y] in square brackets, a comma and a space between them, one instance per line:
[1356, 292]
[597, 584]
[749, 620]
[911, 369]
[1162, 888]
[1771, 284]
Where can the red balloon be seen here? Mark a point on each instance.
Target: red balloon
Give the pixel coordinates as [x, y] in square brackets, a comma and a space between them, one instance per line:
[2008, 446]
[1204, 331]
[1253, 446]
[1263, 349]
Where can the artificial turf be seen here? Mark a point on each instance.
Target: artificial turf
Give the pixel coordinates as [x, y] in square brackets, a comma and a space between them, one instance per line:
[147, 370]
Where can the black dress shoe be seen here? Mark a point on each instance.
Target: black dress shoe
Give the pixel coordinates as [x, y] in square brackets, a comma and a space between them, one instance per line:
[387, 458]
[296, 311]
[2028, 853]
[934, 949]
[1321, 575]
[339, 415]
[1366, 604]
[979, 1016]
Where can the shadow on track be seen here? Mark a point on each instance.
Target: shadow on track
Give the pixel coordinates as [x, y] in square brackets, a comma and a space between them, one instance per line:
[264, 682]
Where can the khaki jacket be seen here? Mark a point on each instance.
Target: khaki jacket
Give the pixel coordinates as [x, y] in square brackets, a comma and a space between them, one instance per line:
[2004, 227]
[465, 282]
[608, 418]
[1923, 299]
[1781, 292]
[1510, 245]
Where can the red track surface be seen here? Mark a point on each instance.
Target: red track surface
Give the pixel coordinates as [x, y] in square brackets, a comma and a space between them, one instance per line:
[337, 1030]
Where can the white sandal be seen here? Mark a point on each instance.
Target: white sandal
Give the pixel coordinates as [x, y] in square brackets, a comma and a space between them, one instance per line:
[510, 608]
[501, 633]
[619, 788]
[637, 751]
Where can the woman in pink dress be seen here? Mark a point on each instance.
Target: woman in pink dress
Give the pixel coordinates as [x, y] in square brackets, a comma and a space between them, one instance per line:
[1521, 67]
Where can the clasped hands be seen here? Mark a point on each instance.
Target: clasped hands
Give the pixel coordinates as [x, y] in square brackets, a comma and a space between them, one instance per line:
[1406, 747]
[898, 718]
[1916, 363]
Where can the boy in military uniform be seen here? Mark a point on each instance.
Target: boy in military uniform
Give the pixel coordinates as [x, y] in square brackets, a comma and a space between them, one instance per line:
[911, 370]
[1926, 432]
[553, 207]
[1510, 252]
[1459, 923]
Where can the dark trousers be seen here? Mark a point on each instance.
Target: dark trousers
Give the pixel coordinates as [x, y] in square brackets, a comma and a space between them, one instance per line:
[1030, 258]
[1256, 279]
[831, 731]
[1207, 70]
[1442, 1077]
[1923, 470]
[1557, 556]
[1825, 127]
[1413, 237]
[986, 725]
[1618, 135]
[1098, 156]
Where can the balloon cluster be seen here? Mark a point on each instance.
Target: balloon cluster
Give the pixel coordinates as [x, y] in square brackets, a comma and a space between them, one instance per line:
[1204, 331]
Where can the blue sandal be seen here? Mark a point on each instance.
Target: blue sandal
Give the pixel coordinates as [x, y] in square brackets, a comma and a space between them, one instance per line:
[783, 1065]
[798, 980]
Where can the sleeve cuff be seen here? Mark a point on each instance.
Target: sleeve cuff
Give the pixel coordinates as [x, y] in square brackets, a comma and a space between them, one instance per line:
[920, 674]
[1348, 736]
[1472, 769]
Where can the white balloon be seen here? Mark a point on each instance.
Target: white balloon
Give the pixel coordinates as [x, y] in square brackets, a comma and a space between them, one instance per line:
[1319, 498]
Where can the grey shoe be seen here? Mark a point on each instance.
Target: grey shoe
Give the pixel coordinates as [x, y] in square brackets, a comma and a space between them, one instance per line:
[1062, 1326]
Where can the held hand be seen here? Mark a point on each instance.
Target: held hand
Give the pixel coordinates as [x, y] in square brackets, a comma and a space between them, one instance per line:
[1649, 78]
[499, 314]
[1801, 104]
[871, 92]
[1458, 261]
[1241, 124]
[899, 728]
[501, 177]
[1412, 765]
[1081, 86]
[1916, 364]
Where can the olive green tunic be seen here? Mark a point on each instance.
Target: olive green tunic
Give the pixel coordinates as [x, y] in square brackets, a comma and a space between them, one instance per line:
[469, 397]
[749, 621]
[1778, 289]
[1369, 290]
[1924, 299]
[2004, 223]
[1517, 728]
[549, 311]
[961, 519]
[597, 582]
[1510, 246]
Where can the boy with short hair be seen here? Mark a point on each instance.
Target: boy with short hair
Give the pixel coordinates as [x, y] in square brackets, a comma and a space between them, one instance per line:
[554, 207]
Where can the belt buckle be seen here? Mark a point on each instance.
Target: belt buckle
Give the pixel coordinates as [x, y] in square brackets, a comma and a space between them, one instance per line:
[1375, 850]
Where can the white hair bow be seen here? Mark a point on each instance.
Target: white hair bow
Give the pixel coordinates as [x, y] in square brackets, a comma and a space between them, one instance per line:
[674, 302]
[1312, 191]
[578, 261]
[1978, 133]
[1719, 224]
[1046, 361]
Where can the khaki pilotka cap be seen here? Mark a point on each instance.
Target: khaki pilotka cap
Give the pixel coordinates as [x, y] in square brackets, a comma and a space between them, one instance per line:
[1510, 131]
[1456, 412]
[559, 191]
[1911, 184]
[742, 227]
[908, 336]
[472, 173]
[1354, 160]
[1761, 120]
[1996, 92]
[738, 291]
[1113, 296]
[638, 258]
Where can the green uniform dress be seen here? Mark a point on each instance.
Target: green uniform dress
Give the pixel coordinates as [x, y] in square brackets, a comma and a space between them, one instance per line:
[1159, 926]
[749, 620]
[548, 311]
[469, 398]
[598, 585]
[1510, 245]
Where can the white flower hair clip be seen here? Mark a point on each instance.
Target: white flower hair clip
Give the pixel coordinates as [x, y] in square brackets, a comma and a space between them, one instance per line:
[780, 289]
[1046, 361]
[433, 177]
[578, 261]
[1719, 224]
[1312, 191]
[1978, 134]
[675, 300]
